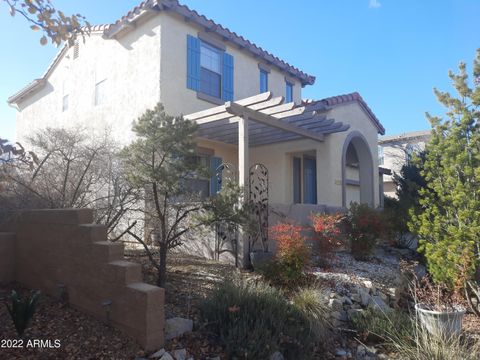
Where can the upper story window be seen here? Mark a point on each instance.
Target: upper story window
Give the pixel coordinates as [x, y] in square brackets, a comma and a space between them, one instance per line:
[209, 70]
[65, 103]
[263, 81]
[381, 157]
[288, 92]
[65, 92]
[409, 151]
[76, 49]
[100, 92]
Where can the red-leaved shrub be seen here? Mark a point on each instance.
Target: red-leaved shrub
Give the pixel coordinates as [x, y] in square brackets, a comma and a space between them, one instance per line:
[293, 254]
[330, 235]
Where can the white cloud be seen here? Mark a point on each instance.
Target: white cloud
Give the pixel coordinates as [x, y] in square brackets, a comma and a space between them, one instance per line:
[374, 4]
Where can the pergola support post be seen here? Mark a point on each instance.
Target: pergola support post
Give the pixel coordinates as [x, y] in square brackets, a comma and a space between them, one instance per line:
[243, 181]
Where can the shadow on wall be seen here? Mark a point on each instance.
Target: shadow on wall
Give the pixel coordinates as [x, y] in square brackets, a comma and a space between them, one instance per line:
[53, 249]
[208, 244]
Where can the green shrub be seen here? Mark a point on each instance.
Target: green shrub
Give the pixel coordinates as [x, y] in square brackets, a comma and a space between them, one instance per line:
[21, 310]
[447, 224]
[253, 320]
[313, 303]
[364, 226]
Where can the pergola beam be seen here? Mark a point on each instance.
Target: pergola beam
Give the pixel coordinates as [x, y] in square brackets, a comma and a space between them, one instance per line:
[236, 109]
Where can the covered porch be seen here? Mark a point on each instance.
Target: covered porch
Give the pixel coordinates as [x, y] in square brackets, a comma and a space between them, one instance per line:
[272, 149]
[248, 132]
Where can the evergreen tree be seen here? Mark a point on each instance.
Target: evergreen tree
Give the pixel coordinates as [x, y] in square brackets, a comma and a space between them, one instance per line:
[448, 224]
[162, 163]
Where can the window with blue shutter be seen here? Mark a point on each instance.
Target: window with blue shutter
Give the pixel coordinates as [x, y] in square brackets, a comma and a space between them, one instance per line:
[193, 63]
[309, 180]
[209, 69]
[304, 179]
[215, 181]
[263, 81]
[297, 180]
[288, 92]
[227, 93]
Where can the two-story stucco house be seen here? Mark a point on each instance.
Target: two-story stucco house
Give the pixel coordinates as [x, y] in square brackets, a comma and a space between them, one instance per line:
[248, 103]
[394, 151]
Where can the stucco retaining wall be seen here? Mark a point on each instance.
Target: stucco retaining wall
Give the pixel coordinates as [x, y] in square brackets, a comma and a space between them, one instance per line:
[61, 249]
[7, 264]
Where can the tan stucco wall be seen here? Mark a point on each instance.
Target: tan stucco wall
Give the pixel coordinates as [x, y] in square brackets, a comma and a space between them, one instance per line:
[7, 257]
[131, 68]
[63, 247]
[138, 76]
[277, 158]
[180, 100]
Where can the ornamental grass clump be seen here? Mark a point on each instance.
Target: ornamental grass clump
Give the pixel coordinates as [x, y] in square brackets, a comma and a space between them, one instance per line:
[254, 320]
[313, 302]
[406, 338]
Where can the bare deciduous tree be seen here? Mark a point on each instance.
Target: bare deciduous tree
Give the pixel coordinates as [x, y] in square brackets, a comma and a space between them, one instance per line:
[71, 170]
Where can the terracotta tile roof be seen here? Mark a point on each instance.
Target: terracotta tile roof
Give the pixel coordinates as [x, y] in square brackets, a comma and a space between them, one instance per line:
[228, 35]
[345, 99]
[407, 136]
[201, 20]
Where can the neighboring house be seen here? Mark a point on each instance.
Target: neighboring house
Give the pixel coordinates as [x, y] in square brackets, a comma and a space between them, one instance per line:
[395, 151]
[319, 153]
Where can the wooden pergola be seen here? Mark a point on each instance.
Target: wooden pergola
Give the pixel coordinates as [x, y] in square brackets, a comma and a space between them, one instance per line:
[261, 120]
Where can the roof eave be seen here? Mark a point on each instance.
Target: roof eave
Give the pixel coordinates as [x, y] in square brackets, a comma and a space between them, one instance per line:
[120, 27]
[31, 88]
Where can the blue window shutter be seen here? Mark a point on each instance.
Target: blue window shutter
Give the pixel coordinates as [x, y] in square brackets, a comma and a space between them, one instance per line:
[227, 78]
[215, 182]
[309, 181]
[288, 92]
[193, 63]
[297, 180]
[263, 81]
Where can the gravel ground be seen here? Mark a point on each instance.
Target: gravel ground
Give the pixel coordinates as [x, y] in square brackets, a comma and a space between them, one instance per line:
[81, 336]
[382, 271]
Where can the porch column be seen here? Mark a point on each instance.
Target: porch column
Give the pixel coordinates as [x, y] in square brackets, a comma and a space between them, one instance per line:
[243, 181]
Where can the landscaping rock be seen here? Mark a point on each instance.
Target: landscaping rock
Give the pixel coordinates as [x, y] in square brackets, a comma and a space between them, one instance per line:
[177, 326]
[339, 315]
[364, 297]
[368, 284]
[376, 302]
[167, 356]
[277, 355]
[158, 354]
[341, 353]
[383, 296]
[180, 354]
[353, 312]
[347, 300]
[361, 351]
[336, 304]
[356, 298]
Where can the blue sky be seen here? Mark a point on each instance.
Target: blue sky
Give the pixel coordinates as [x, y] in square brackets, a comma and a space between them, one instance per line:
[392, 52]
